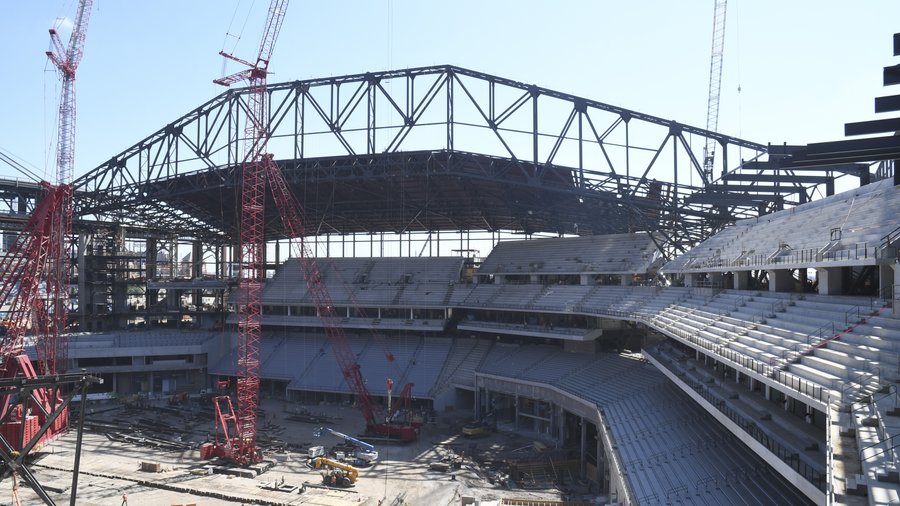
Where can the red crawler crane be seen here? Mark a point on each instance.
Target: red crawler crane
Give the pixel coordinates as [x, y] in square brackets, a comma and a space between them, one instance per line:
[292, 218]
[239, 430]
[34, 273]
[25, 265]
[236, 432]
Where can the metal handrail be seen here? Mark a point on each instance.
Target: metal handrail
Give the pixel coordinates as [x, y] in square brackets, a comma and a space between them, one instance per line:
[889, 238]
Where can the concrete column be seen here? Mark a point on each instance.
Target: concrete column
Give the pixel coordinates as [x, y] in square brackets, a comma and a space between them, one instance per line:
[768, 393]
[197, 271]
[173, 299]
[624, 280]
[476, 408]
[583, 445]
[885, 279]
[118, 286]
[830, 280]
[741, 280]
[151, 250]
[516, 412]
[84, 297]
[780, 280]
[601, 461]
[224, 254]
[689, 279]
[896, 291]
[499, 280]
[534, 279]
[585, 279]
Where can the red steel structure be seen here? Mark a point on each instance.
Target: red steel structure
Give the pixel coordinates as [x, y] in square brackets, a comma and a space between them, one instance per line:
[236, 431]
[26, 264]
[53, 350]
[292, 218]
[239, 430]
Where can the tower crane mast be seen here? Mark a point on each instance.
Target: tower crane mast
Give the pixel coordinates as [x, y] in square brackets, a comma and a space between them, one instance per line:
[715, 87]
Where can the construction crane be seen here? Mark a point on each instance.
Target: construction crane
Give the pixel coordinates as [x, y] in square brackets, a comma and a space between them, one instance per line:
[53, 351]
[24, 266]
[238, 442]
[292, 219]
[238, 430]
[366, 452]
[715, 86]
[403, 401]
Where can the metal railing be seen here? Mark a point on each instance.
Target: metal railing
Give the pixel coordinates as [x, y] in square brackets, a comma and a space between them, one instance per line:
[855, 251]
[886, 449]
[618, 468]
[803, 386]
[890, 238]
[787, 455]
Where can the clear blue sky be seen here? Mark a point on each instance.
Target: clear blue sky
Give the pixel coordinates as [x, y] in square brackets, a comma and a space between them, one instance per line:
[804, 67]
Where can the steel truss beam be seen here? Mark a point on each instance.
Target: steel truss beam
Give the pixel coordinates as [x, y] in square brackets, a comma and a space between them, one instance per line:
[24, 389]
[544, 137]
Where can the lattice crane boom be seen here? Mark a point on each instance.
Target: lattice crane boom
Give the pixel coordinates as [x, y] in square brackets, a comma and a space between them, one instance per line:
[53, 350]
[240, 441]
[292, 219]
[22, 271]
[715, 87]
[291, 216]
[67, 60]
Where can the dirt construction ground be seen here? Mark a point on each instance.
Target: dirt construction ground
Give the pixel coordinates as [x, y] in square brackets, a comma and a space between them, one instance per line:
[120, 440]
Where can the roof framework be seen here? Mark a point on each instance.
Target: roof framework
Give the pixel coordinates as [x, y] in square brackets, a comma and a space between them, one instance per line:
[433, 148]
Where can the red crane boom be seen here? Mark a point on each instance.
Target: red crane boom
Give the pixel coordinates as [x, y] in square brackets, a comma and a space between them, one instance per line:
[292, 218]
[25, 264]
[239, 444]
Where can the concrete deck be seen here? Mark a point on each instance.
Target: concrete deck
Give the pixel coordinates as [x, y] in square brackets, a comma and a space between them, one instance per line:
[401, 476]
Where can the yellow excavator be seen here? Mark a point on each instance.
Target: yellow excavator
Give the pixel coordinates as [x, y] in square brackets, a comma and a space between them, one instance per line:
[336, 474]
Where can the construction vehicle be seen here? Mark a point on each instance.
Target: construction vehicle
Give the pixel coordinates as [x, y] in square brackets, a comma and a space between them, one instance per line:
[478, 428]
[292, 219]
[236, 430]
[364, 453]
[336, 474]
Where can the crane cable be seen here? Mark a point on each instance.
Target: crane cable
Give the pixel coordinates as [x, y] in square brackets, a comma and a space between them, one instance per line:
[13, 161]
[738, 58]
[237, 37]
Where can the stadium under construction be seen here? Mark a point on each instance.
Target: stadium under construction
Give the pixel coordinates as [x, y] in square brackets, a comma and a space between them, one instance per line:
[581, 303]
